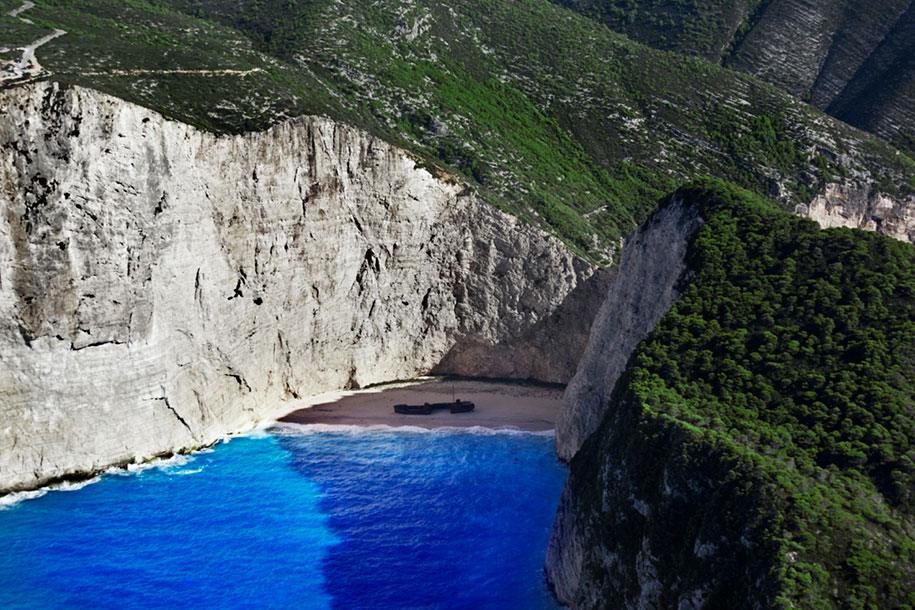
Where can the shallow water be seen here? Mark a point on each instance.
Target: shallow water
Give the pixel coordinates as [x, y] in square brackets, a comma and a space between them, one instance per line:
[298, 518]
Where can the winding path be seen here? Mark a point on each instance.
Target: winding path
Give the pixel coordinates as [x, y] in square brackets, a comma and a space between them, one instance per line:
[21, 68]
[141, 72]
[26, 5]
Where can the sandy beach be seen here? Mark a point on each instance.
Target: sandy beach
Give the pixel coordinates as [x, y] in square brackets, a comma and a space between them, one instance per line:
[526, 407]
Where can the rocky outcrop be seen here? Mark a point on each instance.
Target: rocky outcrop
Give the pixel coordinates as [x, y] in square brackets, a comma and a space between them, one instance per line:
[651, 516]
[646, 288]
[671, 502]
[642, 522]
[161, 286]
[642, 292]
[863, 208]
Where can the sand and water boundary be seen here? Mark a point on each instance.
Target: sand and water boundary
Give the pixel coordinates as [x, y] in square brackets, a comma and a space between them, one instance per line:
[498, 404]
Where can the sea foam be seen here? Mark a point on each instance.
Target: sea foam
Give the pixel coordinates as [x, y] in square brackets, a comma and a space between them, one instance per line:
[281, 428]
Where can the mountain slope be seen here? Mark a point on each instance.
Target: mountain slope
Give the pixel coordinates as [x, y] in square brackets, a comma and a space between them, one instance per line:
[575, 142]
[853, 59]
[757, 450]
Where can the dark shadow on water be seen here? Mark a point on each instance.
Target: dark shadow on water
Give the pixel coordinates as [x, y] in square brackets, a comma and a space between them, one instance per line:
[443, 521]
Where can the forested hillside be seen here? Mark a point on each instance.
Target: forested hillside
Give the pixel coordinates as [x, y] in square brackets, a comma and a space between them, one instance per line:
[781, 385]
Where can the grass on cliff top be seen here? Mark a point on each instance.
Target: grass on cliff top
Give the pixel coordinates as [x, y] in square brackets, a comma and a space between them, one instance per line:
[15, 32]
[792, 350]
[576, 142]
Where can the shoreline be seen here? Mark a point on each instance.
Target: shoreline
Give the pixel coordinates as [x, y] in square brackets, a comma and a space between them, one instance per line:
[498, 404]
[501, 405]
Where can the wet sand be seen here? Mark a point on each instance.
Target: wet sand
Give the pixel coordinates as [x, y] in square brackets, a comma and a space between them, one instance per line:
[526, 407]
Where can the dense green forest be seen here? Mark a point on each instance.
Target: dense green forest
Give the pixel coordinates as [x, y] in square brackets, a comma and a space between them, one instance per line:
[790, 358]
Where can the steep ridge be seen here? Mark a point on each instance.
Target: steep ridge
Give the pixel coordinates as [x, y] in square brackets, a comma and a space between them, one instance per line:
[881, 96]
[161, 286]
[852, 59]
[643, 291]
[754, 452]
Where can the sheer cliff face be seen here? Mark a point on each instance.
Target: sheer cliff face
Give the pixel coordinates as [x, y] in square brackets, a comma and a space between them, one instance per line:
[645, 288]
[643, 291]
[161, 287]
[644, 521]
[671, 502]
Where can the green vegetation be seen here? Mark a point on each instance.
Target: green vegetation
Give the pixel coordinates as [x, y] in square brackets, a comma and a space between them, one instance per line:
[577, 142]
[704, 28]
[106, 37]
[790, 358]
[820, 62]
[16, 33]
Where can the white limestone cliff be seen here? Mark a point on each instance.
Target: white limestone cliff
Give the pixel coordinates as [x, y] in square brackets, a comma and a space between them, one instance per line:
[644, 290]
[863, 208]
[161, 286]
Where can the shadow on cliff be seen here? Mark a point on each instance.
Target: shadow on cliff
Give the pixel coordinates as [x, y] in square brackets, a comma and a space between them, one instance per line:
[548, 351]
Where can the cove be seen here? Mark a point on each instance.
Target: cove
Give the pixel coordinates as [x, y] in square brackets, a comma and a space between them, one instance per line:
[299, 517]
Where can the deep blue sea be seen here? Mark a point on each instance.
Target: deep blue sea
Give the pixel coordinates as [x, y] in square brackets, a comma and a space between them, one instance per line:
[298, 518]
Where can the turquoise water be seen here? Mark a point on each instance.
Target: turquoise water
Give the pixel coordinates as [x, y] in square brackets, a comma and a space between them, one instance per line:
[308, 518]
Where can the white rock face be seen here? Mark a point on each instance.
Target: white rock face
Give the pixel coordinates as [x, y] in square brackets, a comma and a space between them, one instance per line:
[642, 292]
[161, 287]
[863, 208]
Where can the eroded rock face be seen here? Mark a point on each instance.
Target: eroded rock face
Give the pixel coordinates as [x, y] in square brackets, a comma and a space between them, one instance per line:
[851, 59]
[863, 208]
[642, 292]
[854, 60]
[160, 286]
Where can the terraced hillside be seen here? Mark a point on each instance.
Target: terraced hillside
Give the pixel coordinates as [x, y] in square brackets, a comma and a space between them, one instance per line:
[856, 60]
[580, 142]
